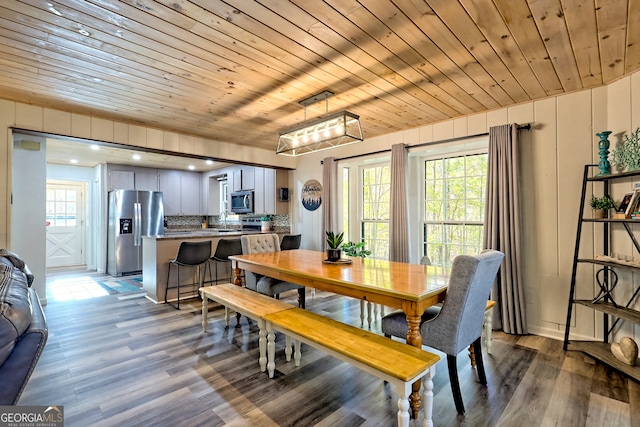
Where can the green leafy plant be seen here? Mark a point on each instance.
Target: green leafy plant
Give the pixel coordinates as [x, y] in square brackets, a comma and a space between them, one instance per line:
[603, 203]
[356, 249]
[334, 240]
[265, 218]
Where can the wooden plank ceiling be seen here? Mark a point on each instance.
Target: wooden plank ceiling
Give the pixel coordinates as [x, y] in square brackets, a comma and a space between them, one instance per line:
[236, 70]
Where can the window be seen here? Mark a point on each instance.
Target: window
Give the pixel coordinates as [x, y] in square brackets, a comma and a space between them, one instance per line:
[346, 206]
[376, 200]
[224, 201]
[62, 207]
[453, 207]
[226, 216]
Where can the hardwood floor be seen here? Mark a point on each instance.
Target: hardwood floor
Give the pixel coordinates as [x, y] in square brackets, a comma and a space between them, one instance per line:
[130, 362]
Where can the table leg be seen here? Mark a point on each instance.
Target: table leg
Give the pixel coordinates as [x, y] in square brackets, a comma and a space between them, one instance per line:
[237, 280]
[205, 312]
[414, 338]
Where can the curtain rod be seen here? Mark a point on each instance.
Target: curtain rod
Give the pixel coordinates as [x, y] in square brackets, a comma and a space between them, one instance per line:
[424, 144]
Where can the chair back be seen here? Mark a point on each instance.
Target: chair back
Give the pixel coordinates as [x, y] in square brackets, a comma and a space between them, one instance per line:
[290, 241]
[194, 253]
[260, 243]
[460, 321]
[227, 247]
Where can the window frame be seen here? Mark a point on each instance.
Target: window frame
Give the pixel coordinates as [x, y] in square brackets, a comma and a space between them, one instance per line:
[422, 249]
[361, 220]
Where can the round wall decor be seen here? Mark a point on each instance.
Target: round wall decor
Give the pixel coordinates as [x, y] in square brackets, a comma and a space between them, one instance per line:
[311, 195]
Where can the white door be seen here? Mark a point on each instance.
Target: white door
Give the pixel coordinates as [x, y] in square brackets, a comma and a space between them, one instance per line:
[65, 223]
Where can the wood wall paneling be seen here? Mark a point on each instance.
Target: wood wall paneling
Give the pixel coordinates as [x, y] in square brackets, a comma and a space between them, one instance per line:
[477, 124]
[120, 133]
[101, 130]
[57, 122]
[541, 258]
[80, 125]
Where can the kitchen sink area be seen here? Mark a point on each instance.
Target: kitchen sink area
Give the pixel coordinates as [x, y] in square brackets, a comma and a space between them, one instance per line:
[202, 232]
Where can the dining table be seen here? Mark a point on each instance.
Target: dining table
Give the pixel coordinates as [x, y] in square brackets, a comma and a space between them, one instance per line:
[400, 285]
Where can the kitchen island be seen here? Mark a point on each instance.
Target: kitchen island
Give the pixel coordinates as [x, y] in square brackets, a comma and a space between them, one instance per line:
[157, 251]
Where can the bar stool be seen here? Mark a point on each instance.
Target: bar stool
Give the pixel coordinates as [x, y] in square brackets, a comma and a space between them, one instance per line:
[290, 241]
[225, 248]
[190, 254]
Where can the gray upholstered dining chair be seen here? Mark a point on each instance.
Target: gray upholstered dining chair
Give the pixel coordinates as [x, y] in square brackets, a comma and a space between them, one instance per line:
[261, 243]
[458, 323]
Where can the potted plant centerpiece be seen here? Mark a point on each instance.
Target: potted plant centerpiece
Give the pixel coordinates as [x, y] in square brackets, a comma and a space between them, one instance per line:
[265, 223]
[334, 252]
[601, 205]
[356, 249]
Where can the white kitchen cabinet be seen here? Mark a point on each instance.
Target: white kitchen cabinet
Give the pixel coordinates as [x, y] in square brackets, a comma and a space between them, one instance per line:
[181, 192]
[244, 178]
[190, 193]
[170, 187]
[146, 179]
[123, 177]
[121, 180]
[265, 198]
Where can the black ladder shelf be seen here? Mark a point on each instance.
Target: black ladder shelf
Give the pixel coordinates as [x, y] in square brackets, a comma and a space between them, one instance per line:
[607, 280]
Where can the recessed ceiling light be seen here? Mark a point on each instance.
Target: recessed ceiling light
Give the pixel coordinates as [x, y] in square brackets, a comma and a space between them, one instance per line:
[74, 161]
[209, 162]
[84, 32]
[136, 157]
[52, 9]
[191, 167]
[95, 147]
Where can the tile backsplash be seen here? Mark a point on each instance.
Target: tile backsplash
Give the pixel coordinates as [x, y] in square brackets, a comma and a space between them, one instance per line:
[195, 221]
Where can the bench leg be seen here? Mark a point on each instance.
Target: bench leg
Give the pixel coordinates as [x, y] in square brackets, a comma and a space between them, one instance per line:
[205, 312]
[403, 408]
[488, 328]
[271, 349]
[297, 354]
[262, 344]
[427, 398]
[287, 347]
[226, 316]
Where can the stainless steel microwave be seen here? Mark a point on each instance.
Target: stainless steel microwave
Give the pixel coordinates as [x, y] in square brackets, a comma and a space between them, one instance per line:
[242, 202]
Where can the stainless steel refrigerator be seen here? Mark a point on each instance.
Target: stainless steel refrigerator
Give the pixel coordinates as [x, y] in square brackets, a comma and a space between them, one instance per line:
[132, 214]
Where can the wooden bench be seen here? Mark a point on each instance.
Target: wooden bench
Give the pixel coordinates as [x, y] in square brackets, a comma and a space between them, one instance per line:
[397, 363]
[488, 325]
[488, 328]
[244, 301]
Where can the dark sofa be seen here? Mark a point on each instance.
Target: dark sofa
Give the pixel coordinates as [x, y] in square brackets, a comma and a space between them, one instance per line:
[23, 328]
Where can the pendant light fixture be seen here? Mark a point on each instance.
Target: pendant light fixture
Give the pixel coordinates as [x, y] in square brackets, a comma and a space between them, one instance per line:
[329, 131]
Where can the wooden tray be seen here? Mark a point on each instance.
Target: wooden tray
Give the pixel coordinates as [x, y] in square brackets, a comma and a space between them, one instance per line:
[341, 261]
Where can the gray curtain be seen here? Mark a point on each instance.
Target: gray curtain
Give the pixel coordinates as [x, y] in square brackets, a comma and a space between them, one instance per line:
[398, 224]
[502, 227]
[329, 193]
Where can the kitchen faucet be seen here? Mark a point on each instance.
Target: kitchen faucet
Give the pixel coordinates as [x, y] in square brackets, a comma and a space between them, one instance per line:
[224, 214]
